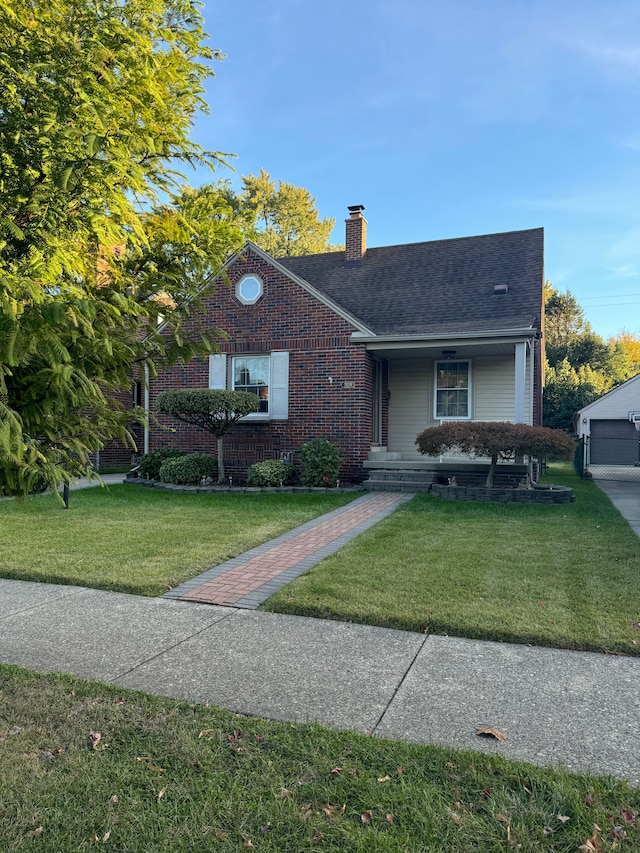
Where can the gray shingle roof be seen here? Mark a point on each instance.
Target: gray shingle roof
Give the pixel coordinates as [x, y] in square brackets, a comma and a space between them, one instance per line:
[438, 287]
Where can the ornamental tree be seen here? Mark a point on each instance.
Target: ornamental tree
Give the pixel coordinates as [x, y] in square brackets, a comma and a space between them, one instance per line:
[499, 440]
[97, 239]
[213, 411]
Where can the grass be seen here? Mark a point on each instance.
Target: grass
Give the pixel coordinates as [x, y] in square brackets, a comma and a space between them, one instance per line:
[144, 541]
[565, 576]
[174, 776]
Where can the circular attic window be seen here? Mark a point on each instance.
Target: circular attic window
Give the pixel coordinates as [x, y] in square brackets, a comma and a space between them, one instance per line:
[249, 289]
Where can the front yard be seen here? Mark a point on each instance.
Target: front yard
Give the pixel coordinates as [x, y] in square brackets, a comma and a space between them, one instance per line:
[132, 539]
[565, 576]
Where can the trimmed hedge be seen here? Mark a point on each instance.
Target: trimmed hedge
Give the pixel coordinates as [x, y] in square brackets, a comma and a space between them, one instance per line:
[271, 472]
[188, 470]
[321, 461]
[150, 463]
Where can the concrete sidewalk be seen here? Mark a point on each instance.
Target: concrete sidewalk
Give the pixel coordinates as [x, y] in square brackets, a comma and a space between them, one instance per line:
[557, 707]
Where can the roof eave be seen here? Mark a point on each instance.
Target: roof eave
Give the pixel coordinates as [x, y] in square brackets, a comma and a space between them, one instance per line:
[523, 333]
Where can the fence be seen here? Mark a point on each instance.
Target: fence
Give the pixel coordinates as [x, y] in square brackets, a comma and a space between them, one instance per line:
[611, 458]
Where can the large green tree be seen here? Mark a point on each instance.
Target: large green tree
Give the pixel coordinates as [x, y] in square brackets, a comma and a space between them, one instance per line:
[581, 365]
[282, 220]
[98, 99]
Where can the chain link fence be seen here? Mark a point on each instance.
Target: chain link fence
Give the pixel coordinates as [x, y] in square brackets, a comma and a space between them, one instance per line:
[609, 457]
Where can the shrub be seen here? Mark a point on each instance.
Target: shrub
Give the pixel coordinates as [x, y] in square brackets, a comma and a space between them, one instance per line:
[321, 461]
[188, 470]
[151, 463]
[271, 472]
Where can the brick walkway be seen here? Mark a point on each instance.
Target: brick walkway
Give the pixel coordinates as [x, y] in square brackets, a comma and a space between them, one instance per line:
[251, 578]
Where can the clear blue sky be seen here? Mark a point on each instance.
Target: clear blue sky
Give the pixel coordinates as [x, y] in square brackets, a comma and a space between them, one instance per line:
[447, 119]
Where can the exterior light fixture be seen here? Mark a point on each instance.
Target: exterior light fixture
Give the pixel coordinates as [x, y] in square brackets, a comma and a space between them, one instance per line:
[448, 353]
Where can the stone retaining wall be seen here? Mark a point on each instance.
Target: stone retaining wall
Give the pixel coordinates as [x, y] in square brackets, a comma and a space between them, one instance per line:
[536, 495]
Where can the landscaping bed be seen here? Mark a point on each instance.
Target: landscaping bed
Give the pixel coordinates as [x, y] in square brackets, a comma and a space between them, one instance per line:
[536, 494]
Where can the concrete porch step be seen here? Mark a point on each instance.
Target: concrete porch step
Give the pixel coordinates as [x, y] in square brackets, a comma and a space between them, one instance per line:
[390, 480]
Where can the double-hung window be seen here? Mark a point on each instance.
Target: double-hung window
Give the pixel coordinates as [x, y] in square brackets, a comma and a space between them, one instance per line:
[252, 374]
[453, 390]
[266, 375]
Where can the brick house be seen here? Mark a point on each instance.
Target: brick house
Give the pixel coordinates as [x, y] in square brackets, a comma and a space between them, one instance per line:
[367, 347]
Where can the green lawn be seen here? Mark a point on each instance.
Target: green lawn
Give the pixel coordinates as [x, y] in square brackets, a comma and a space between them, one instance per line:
[174, 776]
[565, 576]
[139, 540]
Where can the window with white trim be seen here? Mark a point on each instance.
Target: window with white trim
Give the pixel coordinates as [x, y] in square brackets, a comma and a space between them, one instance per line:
[266, 375]
[251, 373]
[453, 390]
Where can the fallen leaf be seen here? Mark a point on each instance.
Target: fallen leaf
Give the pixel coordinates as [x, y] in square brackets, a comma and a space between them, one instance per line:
[34, 833]
[528, 790]
[548, 830]
[220, 835]
[588, 799]
[454, 816]
[306, 812]
[114, 799]
[328, 810]
[106, 837]
[563, 818]
[206, 732]
[155, 768]
[490, 731]
[143, 758]
[46, 756]
[486, 793]
[619, 832]
[161, 793]
[248, 843]
[588, 847]
[283, 793]
[336, 771]
[119, 702]
[94, 739]
[266, 828]
[628, 816]
[400, 770]
[14, 730]
[503, 818]
[366, 817]
[389, 818]
[383, 778]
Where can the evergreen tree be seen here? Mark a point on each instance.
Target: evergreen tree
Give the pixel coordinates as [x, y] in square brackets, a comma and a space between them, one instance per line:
[97, 103]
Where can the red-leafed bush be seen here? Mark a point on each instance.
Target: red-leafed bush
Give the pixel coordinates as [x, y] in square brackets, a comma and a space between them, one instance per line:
[499, 440]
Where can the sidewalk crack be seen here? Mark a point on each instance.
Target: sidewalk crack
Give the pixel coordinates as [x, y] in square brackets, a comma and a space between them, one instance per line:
[373, 729]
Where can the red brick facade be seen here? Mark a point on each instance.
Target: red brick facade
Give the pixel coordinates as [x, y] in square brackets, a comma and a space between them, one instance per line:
[330, 379]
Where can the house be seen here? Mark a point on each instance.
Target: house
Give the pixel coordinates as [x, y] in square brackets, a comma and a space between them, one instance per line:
[610, 427]
[369, 346]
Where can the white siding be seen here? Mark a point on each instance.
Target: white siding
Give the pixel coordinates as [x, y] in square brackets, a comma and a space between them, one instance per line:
[615, 405]
[410, 403]
[494, 390]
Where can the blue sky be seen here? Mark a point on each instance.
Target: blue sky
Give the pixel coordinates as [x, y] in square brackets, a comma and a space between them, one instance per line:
[445, 120]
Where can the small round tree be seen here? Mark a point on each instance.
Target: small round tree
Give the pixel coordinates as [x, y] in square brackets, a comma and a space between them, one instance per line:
[213, 411]
[500, 440]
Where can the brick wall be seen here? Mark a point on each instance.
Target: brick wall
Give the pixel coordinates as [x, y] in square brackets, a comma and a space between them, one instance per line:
[330, 379]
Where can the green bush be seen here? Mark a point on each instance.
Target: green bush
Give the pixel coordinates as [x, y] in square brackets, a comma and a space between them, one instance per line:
[151, 463]
[321, 461]
[188, 470]
[271, 472]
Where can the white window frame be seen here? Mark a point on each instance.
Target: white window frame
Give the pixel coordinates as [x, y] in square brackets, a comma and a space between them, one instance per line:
[220, 376]
[232, 385]
[443, 361]
[243, 299]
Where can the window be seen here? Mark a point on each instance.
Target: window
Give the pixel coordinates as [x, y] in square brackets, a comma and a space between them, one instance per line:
[265, 375]
[452, 390]
[251, 374]
[249, 289]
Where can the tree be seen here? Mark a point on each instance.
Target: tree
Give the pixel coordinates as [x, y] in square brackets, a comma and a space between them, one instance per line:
[97, 102]
[581, 365]
[282, 221]
[213, 411]
[500, 440]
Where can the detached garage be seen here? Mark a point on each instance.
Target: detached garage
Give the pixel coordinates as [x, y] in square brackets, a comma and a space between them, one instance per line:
[610, 427]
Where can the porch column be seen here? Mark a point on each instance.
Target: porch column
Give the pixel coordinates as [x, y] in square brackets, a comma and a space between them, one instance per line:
[520, 382]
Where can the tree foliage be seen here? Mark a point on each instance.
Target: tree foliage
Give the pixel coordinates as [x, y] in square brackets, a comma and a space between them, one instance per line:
[283, 221]
[499, 440]
[97, 103]
[581, 365]
[214, 411]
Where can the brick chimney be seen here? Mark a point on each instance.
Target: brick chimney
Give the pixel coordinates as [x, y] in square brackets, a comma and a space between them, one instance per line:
[356, 236]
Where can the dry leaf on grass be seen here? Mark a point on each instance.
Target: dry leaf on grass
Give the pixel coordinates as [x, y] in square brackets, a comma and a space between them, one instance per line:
[283, 793]
[490, 731]
[36, 832]
[336, 771]
[161, 793]
[383, 778]
[366, 817]
[389, 818]
[93, 739]
[206, 732]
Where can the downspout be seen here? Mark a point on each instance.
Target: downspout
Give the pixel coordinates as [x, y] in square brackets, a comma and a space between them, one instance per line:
[146, 408]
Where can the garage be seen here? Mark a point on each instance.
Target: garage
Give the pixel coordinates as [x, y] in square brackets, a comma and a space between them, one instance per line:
[608, 435]
[614, 442]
